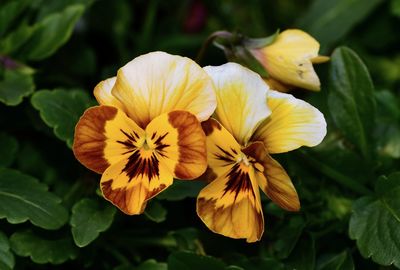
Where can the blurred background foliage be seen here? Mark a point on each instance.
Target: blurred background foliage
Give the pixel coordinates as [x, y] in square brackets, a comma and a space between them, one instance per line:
[53, 53]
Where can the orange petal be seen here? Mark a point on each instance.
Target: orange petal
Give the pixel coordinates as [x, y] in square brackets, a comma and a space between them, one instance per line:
[105, 135]
[184, 143]
[274, 180]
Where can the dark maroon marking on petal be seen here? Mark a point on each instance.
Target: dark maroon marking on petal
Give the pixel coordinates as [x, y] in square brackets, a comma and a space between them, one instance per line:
[209, 126]
[238, 181]
[234, 151]
[139, 166]
[160, 138]
[160, 146]
[136, 135]
[130, 136]
[227, 157]
[129, 142]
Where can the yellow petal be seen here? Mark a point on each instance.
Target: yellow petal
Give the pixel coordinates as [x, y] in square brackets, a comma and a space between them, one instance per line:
[289, 59]
[180, 143]
[105, 135]
[292, 124]
[241, 95]
[103, 95]
[157, 83]
[222, 149]
[131, 182]
[274, 180]
[138, 164]
[230, 205]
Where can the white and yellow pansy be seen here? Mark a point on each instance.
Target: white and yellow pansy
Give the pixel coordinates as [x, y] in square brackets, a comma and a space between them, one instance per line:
[251, 122]
[147, 128]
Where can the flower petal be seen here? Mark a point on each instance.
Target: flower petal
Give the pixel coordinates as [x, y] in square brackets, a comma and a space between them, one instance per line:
[292, 124]
[230, 205]
[241, 95]
[174, 145]
[288, 59]
[105, 135]
[103, 95]
[130, 183]
[222, 148]
[274, 180]
[180, 143]
[157, 83]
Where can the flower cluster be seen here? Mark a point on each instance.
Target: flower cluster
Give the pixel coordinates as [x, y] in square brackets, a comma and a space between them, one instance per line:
[163, 117]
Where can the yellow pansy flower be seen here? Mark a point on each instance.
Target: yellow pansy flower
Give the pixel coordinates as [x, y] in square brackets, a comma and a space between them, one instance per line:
[147, 129]
[251, 122]
[290, 58]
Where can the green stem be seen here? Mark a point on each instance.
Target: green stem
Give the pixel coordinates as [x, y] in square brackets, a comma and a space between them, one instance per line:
[208, 41]
[335, 175]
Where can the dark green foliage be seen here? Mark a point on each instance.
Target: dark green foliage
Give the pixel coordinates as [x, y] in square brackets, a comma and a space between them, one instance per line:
[52, 215]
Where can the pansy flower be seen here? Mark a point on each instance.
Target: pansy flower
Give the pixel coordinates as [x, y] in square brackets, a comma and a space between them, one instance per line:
[251, 122]
[289, 61]
[147, 129]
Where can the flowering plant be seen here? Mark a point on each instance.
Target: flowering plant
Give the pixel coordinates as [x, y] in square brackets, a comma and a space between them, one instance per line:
[194, 135]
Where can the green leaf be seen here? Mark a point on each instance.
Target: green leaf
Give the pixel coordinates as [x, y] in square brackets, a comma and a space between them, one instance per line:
[351, 98]
[303, 254]
[13, 41]
[152, 265]
[375, 222]
[335, 16]
[288, 237]
[58, 6]
[10, 12]
[27, 244]
[89, 219]
[395, 7]
[61, 109]
[52, 32]
[155, 211]
[342, 261]
[23, 198]
[181, 190]
[333, 153]
[7, 260]
[8, 149]
[387, 131]
[15, 86]
[187, 239]
[192, 261]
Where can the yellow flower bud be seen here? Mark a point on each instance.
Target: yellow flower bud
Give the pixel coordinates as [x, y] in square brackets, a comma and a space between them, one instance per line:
[290, 58]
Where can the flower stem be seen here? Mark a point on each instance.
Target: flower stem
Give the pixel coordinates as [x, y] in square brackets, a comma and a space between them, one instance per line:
[208, 41]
